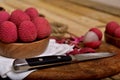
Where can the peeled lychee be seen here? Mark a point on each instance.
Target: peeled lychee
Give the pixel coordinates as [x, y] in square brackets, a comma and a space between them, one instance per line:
[43, 27]
[111, 27]
[117, 33]
[27, 31]
[8, 32]
[32, 12]
[97, 31]
[92, 38]
[18, 16]
[4, 16]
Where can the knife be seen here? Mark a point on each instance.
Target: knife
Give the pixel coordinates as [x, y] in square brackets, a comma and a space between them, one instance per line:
[21, 65]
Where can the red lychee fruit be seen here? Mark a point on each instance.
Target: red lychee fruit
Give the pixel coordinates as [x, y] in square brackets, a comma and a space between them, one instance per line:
[43, 27]
[18, 16]
[4, 16]
[97, 31]
[27, 31]
[8, 32]
[32, 12]
[93, 38]
[111, 27]
[117, 33]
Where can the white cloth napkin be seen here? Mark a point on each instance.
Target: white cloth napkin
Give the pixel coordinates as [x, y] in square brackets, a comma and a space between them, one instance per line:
[52, 49]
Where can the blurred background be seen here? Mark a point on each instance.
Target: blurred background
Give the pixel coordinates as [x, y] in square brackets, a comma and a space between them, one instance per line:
[78, 15]
[113, 3]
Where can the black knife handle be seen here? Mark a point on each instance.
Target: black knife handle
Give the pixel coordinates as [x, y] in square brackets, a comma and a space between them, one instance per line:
[46, 60]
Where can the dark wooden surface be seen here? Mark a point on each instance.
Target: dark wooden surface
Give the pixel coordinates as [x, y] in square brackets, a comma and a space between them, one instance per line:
[80, 18]
[88, 70]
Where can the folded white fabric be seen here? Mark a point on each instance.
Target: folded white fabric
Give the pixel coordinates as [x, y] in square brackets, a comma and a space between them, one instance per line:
[52, 49]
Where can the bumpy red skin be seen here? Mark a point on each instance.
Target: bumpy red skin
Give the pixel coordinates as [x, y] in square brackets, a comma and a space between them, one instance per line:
[18, 16]
[4, 16]
[32, 12]
[117, 33]
[43, 27]
[97, 31]
[94, 44]
[27, 31]
[8, 32]
[111, 27]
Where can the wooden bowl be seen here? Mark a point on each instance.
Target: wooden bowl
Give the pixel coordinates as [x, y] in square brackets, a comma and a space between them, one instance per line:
[23, 50]
[112, 40]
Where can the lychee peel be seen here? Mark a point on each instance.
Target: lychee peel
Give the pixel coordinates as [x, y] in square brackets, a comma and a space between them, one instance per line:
[86, 50]
[93, 45]
[32, 12]
[18, 16]
[117, 33]
[97, 31]
[111, 27]
[8, 32]
[27, 31]
[4, 16]
[43, 27]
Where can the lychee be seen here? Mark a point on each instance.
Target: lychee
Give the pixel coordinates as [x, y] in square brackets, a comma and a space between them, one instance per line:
[32, 12]
[111, 27]
[4, 16]
[117, 33]
[43, 27]
[90, 36]
[93, 38]
[27, 31]
[8, 32]
[18, 16]
[97, 31]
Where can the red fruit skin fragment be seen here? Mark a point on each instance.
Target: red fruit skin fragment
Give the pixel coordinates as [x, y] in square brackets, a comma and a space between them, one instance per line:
[86, 50]
[94, 44]
[81, 51]
[75, 51]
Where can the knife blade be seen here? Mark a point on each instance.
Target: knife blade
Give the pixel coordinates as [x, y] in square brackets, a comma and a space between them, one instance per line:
[21, 65]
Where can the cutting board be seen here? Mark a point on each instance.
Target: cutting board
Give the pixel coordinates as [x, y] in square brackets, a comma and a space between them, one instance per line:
[87, 70]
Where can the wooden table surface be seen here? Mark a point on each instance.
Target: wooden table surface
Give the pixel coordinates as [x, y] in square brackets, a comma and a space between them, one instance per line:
[79, 17]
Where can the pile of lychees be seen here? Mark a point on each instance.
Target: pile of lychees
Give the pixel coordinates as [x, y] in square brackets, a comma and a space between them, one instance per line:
[23, 26]
[113, 29]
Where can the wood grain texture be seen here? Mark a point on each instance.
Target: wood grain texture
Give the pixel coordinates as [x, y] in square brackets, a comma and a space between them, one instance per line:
[101, 16]
[23, 50]
[100, 5]
[79, 19]
[87, 70]
[67, 14]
